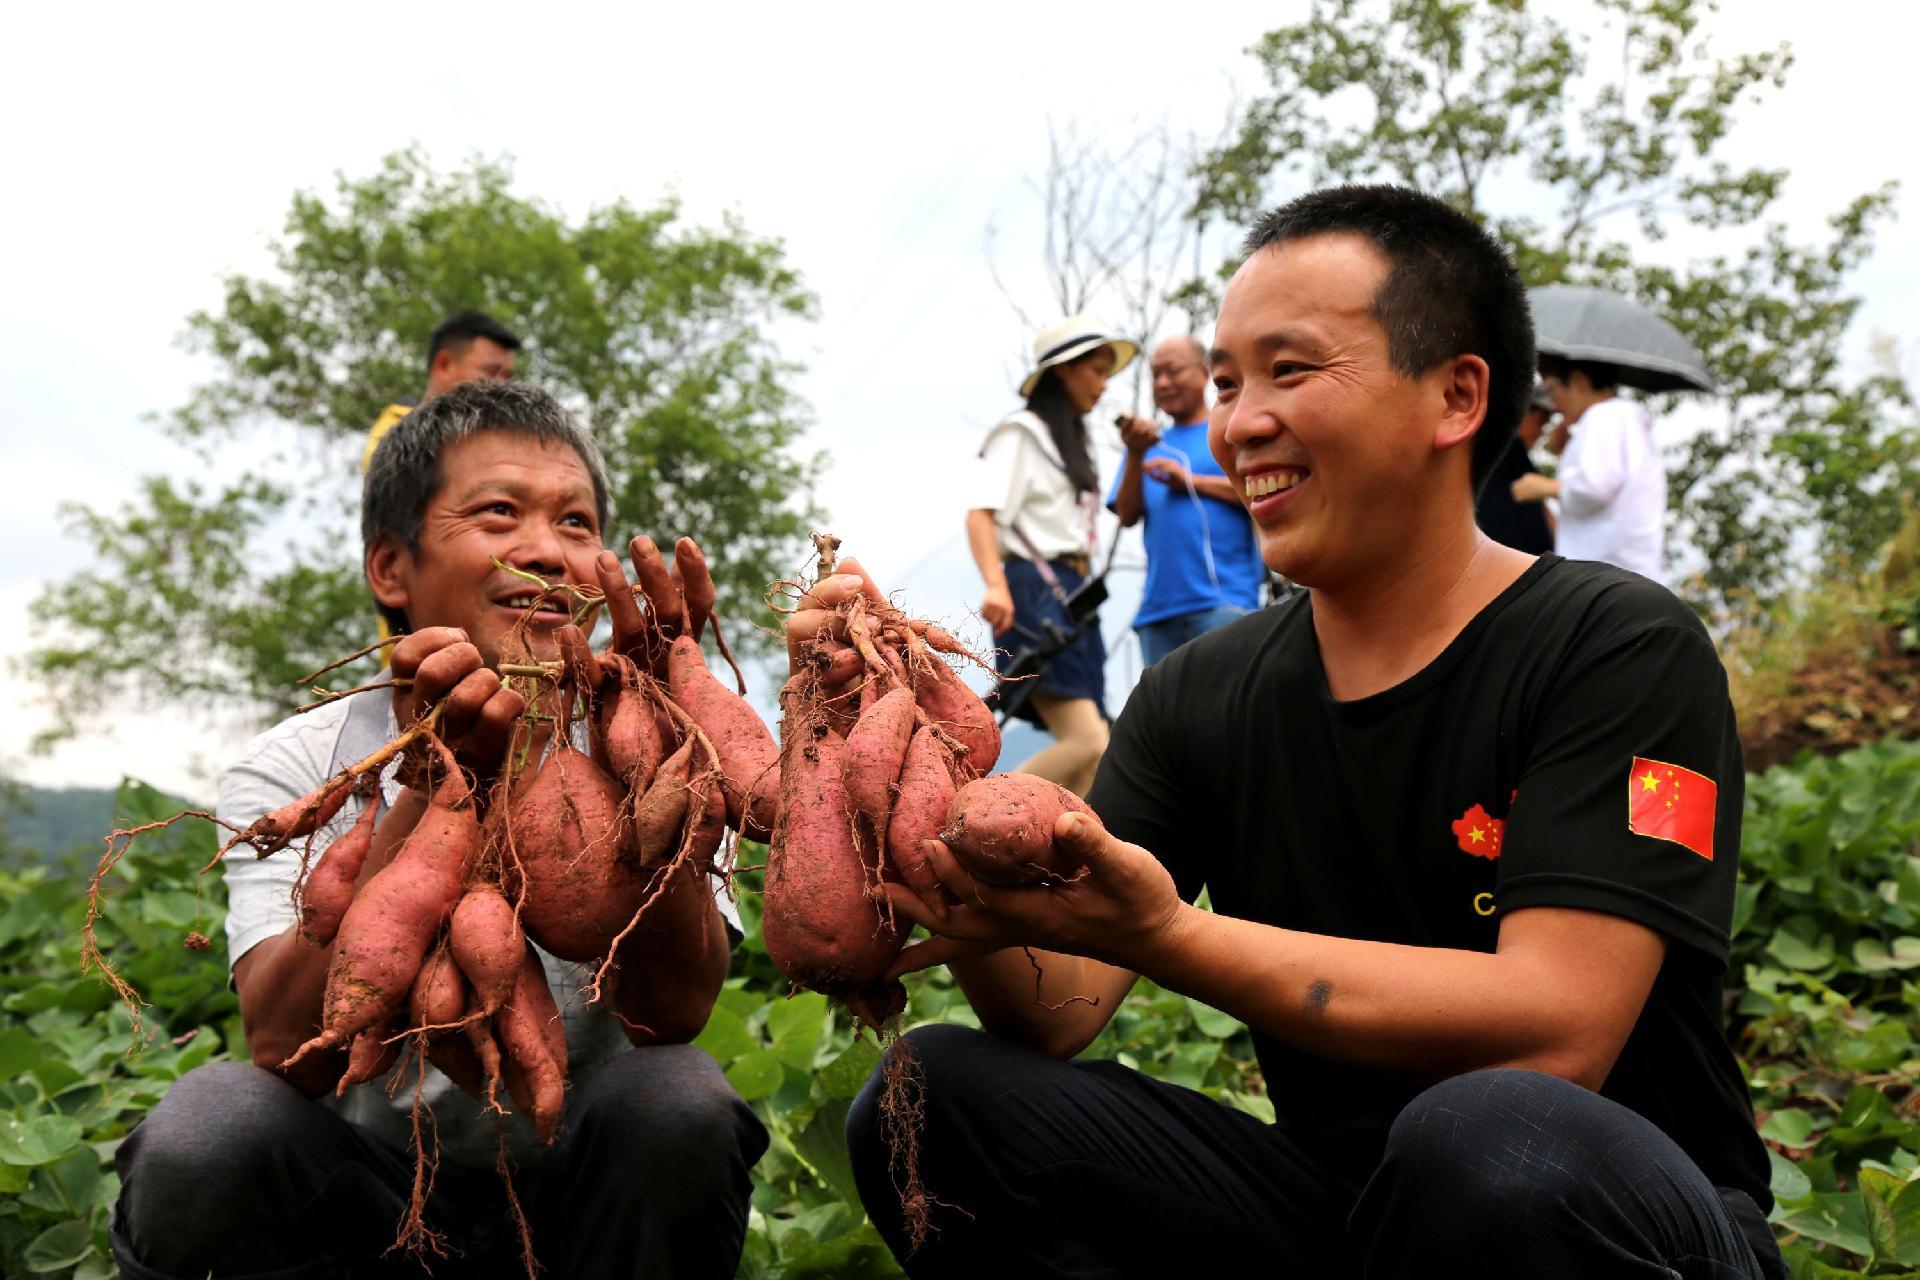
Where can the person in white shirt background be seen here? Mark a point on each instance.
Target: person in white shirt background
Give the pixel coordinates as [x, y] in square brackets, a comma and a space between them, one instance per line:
[1033, 497]
[1611, 483]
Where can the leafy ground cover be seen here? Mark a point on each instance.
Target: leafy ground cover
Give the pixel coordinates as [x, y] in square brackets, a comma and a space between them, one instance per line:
[1826, 1014]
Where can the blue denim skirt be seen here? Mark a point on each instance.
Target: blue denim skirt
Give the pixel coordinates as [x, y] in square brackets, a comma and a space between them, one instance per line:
[1077, 671]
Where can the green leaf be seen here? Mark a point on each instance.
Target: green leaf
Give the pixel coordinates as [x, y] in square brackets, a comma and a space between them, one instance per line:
[1878, 1048]
[1785, 1179]
[796, 1025]
[1875, 956]
[1797, 953]
[1835, 1218]
[38, 1141]
[59, 1247]
[757, 1074]
[1790, 1127]
[725, 1036]
[822, 1144]
[1212, 1022]
[19, 1050]
[847, 1074]
[858, 1255]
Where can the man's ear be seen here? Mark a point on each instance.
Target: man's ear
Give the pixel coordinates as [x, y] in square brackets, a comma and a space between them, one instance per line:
[1463, 391]
[389, 569]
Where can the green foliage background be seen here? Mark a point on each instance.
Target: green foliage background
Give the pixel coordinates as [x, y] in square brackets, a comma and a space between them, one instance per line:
[1826, 975]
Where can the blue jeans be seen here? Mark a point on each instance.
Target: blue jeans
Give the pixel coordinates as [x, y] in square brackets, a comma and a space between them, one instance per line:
[1158, 639]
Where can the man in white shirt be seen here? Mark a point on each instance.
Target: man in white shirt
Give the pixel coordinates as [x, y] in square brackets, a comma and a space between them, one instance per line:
[245, 1168]
[1611, 484]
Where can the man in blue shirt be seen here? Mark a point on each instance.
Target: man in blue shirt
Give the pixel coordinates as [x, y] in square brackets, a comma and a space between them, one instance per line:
[1203, 569]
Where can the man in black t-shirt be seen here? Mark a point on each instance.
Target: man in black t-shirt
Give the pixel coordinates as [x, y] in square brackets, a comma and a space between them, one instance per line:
[1469, 820]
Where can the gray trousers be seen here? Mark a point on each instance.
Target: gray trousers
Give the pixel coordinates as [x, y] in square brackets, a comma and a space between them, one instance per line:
[236, 1173]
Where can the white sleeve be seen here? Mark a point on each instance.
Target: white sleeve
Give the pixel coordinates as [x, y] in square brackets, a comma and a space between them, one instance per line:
[1595, 471]
[999, 478]
[279, 766]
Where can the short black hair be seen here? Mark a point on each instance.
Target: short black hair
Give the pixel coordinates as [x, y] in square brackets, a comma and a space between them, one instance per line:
[462, 327]
[1452, 289]
[1600, 376]
[404, 473]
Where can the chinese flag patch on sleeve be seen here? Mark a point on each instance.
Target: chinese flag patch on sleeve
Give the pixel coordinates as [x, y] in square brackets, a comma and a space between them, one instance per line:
[1670, 803]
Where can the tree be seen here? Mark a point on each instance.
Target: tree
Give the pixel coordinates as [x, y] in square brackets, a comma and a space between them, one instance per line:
[1502, 111]
[657, 334]
[1115, 239]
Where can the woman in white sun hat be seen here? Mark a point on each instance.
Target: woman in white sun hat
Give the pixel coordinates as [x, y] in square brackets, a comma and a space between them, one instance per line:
[1030, 525]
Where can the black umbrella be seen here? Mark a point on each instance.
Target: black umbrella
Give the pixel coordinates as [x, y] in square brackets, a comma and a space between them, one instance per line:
[1595, 326]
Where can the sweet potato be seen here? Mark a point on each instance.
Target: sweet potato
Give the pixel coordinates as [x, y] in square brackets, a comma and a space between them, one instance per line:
[535, 1048]
[949, 703]
[329, 886]
[920, 809]
[747, 750]
[569, 859]
[274, 831]
[820, 925]
[626, 738]
[485, 940]
[1001, 828]
[372, 1055]
[454, 1056]
[439, 997]
[398, 913]
[659, 814]
[876, 749]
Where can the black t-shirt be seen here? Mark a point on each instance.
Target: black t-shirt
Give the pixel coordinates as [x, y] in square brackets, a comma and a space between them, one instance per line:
[1521, 525]
[1512, 772]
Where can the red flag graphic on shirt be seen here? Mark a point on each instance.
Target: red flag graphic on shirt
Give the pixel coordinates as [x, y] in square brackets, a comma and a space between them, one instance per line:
[1479, 834]
[1670, 803]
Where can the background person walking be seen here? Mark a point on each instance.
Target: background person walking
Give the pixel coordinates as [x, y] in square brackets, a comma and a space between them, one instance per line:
[1203, 569]
[1030, 526]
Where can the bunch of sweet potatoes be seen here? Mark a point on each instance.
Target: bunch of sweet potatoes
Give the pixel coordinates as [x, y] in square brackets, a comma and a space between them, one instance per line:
[869, 765]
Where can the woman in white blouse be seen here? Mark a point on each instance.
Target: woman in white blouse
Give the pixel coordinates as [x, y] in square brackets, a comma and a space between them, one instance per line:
[1030, 525]
[1611, 483]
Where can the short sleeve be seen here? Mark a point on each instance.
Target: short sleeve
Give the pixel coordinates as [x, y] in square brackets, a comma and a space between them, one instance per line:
[1136, 791]
[1113, 490]
[997, 476]
[1630, 793]
[277, 769]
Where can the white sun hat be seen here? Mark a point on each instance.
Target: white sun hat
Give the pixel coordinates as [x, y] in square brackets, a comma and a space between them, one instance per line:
[1071, 339]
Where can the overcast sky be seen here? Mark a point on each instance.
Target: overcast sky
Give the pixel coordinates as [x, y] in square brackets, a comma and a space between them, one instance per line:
[153, 150]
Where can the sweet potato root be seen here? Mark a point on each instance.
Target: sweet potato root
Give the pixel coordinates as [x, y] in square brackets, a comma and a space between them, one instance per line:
[876, 749]
[746, 749]
[329, 886]
[535, 1049]
[920, 810]
[485, 940]
[821, 926]
[568, 850]
[398, 913]
[1001, 828]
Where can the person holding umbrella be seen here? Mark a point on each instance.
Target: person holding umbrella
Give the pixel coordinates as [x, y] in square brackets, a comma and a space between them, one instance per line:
[1612, 485]
[1030, 526]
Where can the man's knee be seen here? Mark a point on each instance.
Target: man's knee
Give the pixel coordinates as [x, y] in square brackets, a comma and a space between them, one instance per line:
[1488, 1145]
[943, 1073]
[219, 1125]
[671, 1109]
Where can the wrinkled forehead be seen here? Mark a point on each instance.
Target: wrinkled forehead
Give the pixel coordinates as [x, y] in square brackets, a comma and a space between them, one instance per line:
[522, 460]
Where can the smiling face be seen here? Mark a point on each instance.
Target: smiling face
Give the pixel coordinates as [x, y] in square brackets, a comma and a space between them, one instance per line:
[507, 497]
[1345, 464]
